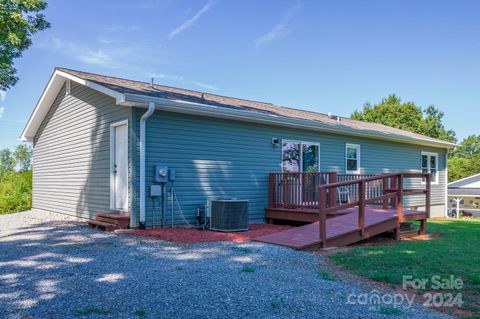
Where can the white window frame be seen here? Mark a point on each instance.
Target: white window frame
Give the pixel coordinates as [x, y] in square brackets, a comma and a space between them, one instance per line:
[301, 152]
[359, 168]
[430, 154]
[112, 164]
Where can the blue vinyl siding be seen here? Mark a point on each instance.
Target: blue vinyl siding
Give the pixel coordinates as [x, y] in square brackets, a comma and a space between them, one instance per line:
[223, 158]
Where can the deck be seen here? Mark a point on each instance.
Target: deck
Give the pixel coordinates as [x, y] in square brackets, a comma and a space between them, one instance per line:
[341, 210]
[341, 230]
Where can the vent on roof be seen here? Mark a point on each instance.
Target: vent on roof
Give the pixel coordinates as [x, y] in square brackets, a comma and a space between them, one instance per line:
[334, 117]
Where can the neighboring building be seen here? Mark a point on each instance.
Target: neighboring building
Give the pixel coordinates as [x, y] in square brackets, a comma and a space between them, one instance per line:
[92, 152]
[464, 195]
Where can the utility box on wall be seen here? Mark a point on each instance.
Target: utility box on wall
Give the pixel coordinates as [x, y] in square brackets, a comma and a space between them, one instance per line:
[161, 173]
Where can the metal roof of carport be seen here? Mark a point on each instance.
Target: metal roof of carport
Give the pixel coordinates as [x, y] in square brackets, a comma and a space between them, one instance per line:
[467, 192]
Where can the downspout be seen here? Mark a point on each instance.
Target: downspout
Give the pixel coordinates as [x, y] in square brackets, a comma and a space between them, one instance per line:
[446, 184]
[145, 116]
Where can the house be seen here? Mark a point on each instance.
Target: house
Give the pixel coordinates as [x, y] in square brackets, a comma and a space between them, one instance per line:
[464, 195]
[97, 140]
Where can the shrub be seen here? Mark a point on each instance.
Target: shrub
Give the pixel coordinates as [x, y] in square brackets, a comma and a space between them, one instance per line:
[15, 192]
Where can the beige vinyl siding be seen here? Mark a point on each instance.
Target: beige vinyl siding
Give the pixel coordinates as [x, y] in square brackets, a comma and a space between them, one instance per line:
[71, 153]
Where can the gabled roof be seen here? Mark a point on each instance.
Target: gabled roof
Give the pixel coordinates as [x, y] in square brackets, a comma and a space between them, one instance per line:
[467, 182]
[136, 93]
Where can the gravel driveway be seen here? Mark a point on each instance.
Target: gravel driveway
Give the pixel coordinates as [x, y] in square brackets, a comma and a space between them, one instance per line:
[54, 267]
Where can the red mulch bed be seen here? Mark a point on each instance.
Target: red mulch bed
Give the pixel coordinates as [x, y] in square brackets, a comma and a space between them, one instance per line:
[190, 235]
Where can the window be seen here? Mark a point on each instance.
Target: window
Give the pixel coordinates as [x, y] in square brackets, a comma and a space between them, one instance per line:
[352, 158]
[430, 165]
[300, 157]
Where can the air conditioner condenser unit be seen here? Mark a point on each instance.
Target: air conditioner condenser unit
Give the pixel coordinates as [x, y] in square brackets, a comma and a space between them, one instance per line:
[227, 215]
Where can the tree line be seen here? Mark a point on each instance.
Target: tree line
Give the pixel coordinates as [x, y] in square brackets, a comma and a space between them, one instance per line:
[463, 161]
[15, 179]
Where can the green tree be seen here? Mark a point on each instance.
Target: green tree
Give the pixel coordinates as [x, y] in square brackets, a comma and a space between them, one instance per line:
[23, 157]
[468, 148]
[465, 159]
[15, 179]
[19, 20]
[7, 162]
[407, 116]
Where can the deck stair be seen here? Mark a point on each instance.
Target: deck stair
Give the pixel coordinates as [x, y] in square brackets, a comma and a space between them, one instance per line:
[110, 222]
[377, 206]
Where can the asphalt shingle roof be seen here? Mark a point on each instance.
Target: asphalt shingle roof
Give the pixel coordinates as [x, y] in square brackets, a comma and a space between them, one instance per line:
[177, 94]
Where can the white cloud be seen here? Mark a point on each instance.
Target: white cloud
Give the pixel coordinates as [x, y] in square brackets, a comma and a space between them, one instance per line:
[181, 79]
[2, 109]
[281, 29]
[191, 22]
[3, 95]
[82, 53]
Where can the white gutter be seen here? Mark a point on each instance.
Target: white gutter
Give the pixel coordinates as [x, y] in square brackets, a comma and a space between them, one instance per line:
[145, 116]
[241, 115]
[446, 184]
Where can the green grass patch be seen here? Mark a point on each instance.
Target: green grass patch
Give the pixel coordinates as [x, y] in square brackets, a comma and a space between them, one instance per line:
[140, 313]
[276, 303]
[92, 311]
[455, 252]
[177, 268]
[390, 311]
[326, 276]
[243, 250]
[248, 269]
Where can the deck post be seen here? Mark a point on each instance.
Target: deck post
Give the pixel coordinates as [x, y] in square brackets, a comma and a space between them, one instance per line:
[428, 186]
[322, 216]
[271, 190]
[393, 184]
[385, 186]
[423, 227]
[361, 207]
[332, 178]
[396, 233]
[400, 197]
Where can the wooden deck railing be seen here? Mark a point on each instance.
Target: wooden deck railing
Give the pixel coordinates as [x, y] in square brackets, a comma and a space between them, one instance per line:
[386, 190]
[300, 190]
[297, 190]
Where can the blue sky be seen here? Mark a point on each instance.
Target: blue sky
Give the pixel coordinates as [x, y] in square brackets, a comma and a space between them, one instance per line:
[326, 56]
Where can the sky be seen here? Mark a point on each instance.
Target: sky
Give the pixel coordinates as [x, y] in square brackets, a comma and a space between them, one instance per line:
[325, 56]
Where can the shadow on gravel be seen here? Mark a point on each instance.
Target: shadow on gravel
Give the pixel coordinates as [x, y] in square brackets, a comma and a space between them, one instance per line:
[67, 270]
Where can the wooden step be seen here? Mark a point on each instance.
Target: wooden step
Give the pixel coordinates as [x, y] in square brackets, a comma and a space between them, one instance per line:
[114, 216]
[409, 233]
[121, 221]
[102, 225]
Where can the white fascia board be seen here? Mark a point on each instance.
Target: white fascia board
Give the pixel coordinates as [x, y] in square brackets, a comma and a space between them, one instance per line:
[248, 116]
[119, 97]
[49, 95]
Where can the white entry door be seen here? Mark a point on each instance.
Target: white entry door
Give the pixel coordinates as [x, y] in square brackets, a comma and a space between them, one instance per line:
[119, 166]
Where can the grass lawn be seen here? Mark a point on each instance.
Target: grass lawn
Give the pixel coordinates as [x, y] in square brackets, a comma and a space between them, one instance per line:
[456, 252]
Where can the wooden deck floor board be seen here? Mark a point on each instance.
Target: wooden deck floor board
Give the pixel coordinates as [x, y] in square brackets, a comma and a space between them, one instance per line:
[338, 226]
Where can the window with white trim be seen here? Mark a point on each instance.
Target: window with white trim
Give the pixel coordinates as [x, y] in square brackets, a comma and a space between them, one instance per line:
[429, 164]
[352, 158]
[300, 156]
